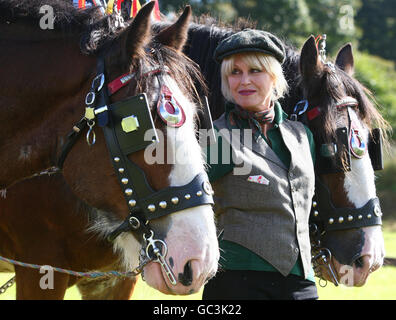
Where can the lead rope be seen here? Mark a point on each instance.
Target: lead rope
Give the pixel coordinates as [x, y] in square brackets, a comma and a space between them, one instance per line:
[144, 260]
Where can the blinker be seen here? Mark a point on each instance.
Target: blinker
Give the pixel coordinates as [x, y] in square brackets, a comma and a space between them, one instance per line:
[375, 149]
[131, 119]
[328, 150]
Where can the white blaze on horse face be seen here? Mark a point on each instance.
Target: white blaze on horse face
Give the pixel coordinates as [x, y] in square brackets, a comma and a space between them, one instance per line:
[125, 244]
[360, 187]
[360, 181]
[192, 235]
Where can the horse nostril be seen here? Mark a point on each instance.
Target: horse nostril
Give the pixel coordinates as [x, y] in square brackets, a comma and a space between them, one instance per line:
[186, 277]
[359, 262]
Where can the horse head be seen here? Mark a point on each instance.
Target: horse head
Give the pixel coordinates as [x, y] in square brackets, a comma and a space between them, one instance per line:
[133, 155]
[346, 212]
[172, 177]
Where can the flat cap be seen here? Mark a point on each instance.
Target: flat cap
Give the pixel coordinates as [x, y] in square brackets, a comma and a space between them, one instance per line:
[249, 40]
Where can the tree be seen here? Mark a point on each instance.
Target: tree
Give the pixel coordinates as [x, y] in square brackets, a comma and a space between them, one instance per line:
[336, 19]
[377, 19]
[198, 6]
[295, 20]
[288, 19]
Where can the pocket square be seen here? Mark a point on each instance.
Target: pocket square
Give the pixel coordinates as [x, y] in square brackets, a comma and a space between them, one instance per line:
[259, 179]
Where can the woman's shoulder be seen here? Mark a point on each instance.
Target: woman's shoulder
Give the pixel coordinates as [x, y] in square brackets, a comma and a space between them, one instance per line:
[296, 125]
[220, 122]
[299, 128]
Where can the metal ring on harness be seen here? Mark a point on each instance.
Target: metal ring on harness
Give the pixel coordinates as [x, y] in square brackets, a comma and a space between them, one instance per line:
[91, 136]
[124, 125]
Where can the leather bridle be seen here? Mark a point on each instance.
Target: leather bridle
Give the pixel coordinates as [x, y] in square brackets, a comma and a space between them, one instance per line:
[124, 124]
[335, 157]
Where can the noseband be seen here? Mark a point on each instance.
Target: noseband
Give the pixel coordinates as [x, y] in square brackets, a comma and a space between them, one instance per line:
[335, 157]
[124, 125]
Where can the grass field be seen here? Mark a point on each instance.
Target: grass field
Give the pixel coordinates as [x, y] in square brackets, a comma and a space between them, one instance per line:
[380, 286]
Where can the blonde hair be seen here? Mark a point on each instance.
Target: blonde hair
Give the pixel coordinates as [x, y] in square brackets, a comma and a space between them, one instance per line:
[259, 61]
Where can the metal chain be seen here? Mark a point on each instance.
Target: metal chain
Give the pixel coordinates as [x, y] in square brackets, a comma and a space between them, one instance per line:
[321, 257]
[7, 285]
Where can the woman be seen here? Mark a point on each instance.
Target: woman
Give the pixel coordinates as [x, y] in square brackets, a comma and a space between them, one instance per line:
[264, 189]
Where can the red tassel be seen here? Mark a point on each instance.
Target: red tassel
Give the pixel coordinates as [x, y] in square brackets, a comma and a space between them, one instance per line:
[157, 13]
[81, 4]
[119, 5]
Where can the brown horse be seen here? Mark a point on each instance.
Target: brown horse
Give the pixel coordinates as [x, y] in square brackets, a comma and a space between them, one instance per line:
[53, 230]
[45, 80]
[357, 250]
[341, 117]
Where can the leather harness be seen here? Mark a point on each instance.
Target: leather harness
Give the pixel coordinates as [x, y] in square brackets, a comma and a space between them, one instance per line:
[124, 124]
[335, 157]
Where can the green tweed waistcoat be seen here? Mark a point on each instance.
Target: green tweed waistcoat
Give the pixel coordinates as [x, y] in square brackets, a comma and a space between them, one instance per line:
[269, 218]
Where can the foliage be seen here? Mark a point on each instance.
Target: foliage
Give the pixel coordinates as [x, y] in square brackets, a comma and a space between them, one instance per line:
[335, 18]
[371, 24]
[286, 18]
[368, 25]
[377, 20]
[291, 19]
[378, 75]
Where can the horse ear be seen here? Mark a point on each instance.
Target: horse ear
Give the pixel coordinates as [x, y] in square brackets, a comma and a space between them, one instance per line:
[138, 33]
[175, 36]
[309, 59]
[345, 59]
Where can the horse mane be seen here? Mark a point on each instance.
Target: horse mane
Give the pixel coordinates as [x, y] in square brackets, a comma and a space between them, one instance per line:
[291, 71]
[95, 30]
[67, 17]
[335, 84]
[184, 71]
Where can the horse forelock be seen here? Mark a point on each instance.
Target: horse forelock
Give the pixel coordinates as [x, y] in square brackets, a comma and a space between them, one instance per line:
[329, 86]
[201, 44]
[336, 85]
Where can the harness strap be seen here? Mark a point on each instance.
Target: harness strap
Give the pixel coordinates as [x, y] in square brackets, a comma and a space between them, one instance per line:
[124, 79]
[316, 111]
[71, 140]
[330, 218]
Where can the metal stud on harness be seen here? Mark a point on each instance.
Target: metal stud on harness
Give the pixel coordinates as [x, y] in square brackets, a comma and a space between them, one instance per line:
[335, 157]
[124, 124]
